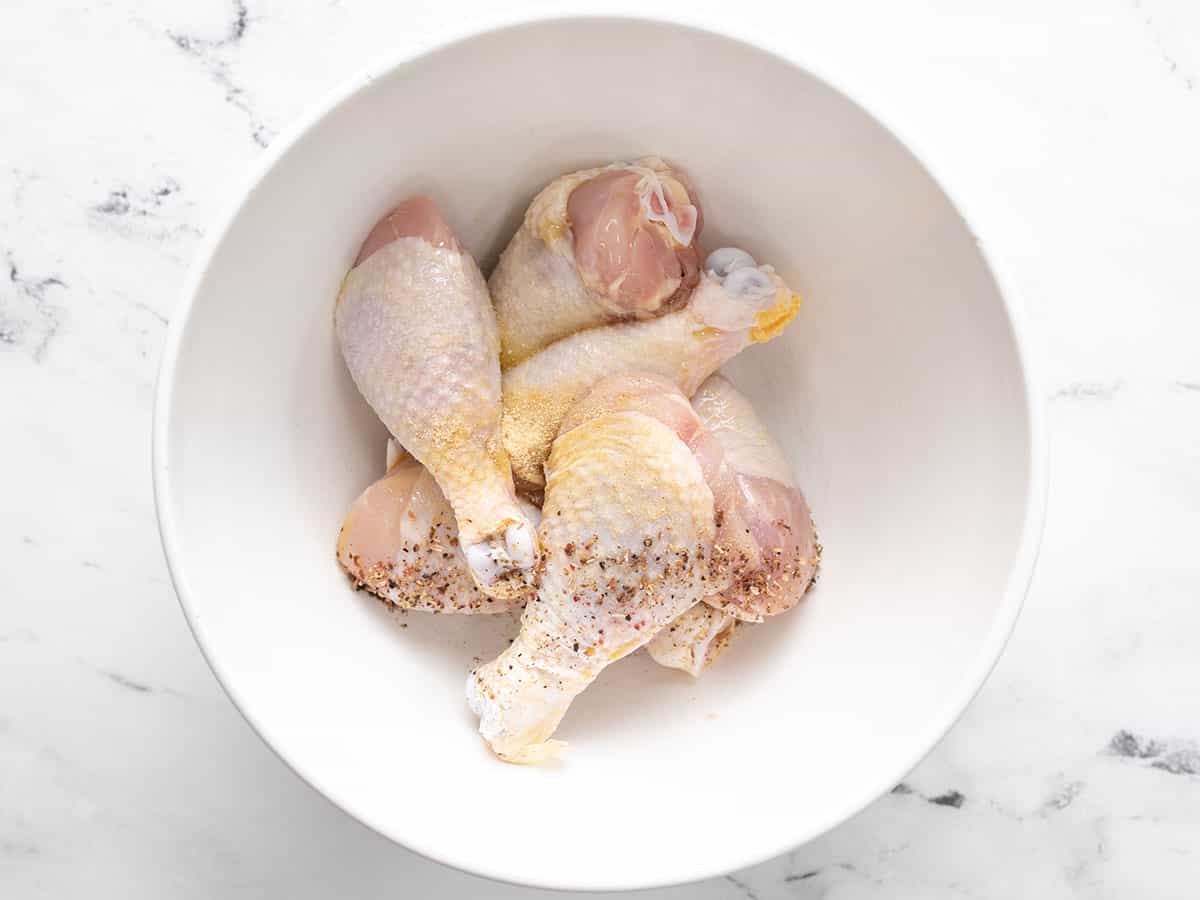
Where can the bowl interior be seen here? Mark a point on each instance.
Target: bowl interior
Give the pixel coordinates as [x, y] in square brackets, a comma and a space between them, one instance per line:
[898, 393]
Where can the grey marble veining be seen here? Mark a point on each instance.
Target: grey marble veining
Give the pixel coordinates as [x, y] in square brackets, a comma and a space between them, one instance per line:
[1070, 133]
[212, 53]
[29, 317]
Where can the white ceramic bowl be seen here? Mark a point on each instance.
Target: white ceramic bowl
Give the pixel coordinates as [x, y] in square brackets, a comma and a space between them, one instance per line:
[900, 393]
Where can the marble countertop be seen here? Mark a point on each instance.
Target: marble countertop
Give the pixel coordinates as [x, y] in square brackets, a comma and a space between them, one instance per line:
[1070, 131]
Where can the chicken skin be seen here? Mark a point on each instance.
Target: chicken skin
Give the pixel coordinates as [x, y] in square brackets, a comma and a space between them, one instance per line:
[627, 531]
[736, 304]
[596, 246]
[693, 641]
[418, 334]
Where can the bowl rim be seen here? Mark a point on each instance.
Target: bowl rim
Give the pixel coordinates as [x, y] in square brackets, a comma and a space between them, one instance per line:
[1024, 563]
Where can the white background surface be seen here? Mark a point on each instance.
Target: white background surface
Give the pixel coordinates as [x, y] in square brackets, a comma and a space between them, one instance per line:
[1070, 134]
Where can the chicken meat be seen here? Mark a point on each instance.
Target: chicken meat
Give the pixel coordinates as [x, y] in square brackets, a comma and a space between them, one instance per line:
[774, 567]
[400, 542]
[627, 530]
[765, 552]
[595, 246]
[418, 334]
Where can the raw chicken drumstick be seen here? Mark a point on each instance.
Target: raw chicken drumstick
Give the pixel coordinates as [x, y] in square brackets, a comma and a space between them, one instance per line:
[418, 335]
[765, 553]
[736, 304]
[783, 553]
[627, 529]
[595, 246]
[777, 563]
[400, 542]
